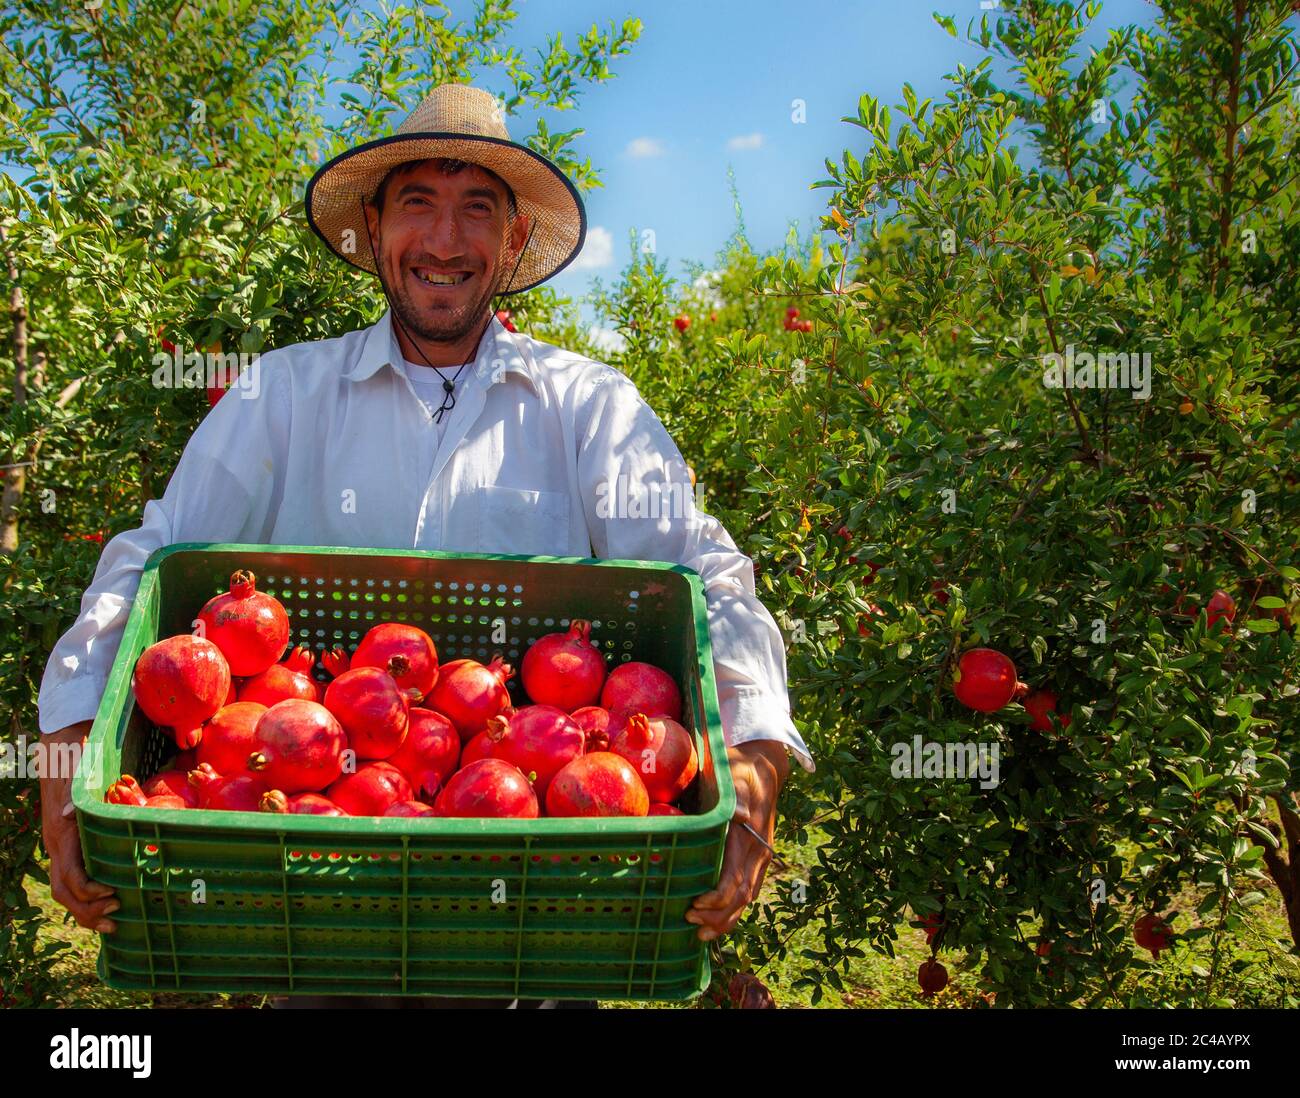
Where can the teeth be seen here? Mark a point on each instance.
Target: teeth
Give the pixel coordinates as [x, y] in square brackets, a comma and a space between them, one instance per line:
[440, 279]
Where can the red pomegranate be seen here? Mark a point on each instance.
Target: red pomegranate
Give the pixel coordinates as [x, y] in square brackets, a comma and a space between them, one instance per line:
[172, 783]
[371, 791]
[415, 646]
[228, 738]
[179, 683]
[564, 669]
[1221, 607]
[539, 739]
[594, 721]
[932, 977]
[410, 810]
[126, 790]
[467, 693]
[478, 747]
[599, 784]
[300, 804]
[297, 747]
[931, 923]
[290, 678]
[187, 760]
[986, 680]
[237, 793]
[1151, 932]
[431, 751]
[489, 787]
[372, 709]
[167, 800]
[1041, 706]
[250, 628]
[657, 809]
[663, 753]
[642, 688]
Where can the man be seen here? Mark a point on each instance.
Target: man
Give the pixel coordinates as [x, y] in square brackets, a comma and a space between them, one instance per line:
[386, 437]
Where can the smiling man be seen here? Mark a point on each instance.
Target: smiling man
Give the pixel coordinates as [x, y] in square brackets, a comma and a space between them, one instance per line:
[436, 428]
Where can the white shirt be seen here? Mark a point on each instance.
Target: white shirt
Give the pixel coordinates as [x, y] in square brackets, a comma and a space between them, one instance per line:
[327, 443]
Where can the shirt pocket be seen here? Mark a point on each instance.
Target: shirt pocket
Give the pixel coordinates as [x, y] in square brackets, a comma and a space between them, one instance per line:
[524, 521]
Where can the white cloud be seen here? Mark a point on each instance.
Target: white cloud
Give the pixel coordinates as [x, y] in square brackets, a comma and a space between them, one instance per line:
[597, 250]
[746, 141]
[606, 339]
[641, 147]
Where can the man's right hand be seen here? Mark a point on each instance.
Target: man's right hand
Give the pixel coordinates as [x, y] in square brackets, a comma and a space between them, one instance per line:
[90, 902]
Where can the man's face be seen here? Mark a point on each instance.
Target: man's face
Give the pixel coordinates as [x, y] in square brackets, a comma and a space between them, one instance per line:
[437, 227]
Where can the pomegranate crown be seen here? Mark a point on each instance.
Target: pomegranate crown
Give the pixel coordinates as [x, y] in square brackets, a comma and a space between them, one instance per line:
[243, 583]
[273, 801]
[302, 659]
[639, 732]
[498, 726]
[500, 668]
[580, 629]
[202, 775]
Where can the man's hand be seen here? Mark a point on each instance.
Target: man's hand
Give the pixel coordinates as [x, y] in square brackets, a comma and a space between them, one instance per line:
[90, 902]
[758, 770]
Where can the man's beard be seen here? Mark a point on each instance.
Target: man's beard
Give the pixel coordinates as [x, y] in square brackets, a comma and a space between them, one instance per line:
[441, 324]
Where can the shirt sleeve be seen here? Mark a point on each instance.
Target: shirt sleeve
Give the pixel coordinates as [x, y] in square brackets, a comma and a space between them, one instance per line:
[224, 488]
[624, 438]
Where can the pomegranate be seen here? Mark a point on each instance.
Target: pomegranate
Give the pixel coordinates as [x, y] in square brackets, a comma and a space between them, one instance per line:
[410, 809]
[932, 977]
[371, 791]
[657, 809]
[415, 646]
[290, 678]
[539, 739]
[431, 751]
[187, 760]
[228, 738]
[663, 753]
[167, 800]
[298, 747]
[372, 708]
[564, 669]
[179, 683]
[594, 721]
[479, 747]
[126, 790]
[1041, 706]
[985, 680]
[250, 628]
[232, 695]
[599, 784]
[931, 924]
[237, 793]
[1221, 607]
[467, 693]
[642, 688]
[172, 783]
[300, 804]
[489, 787]
[747, 992]
[1151, 932]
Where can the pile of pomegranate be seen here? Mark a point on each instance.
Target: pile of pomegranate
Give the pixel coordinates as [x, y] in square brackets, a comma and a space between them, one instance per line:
[393, 733]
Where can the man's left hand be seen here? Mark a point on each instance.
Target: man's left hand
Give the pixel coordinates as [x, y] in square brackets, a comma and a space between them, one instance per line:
[758, 769]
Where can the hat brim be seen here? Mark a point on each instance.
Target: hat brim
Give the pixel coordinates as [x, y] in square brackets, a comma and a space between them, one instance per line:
[337, 193]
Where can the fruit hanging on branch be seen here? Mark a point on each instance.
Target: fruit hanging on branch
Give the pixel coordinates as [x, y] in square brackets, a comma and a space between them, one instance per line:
[932, 977]
[1151, 932]
[986, 680]
[1041, 707]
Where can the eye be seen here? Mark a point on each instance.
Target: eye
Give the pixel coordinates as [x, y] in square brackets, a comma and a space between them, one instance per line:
[481, 206]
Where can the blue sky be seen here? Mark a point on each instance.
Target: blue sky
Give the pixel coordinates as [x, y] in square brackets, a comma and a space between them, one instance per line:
[709, 85]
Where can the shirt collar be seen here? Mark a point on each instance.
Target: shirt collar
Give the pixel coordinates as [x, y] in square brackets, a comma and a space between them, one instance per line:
[380, 348]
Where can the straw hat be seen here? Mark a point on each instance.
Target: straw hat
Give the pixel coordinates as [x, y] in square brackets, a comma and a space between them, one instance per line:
[462, 123]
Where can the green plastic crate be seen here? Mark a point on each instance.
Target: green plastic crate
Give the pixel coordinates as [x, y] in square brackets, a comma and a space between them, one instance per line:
[536, 909]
